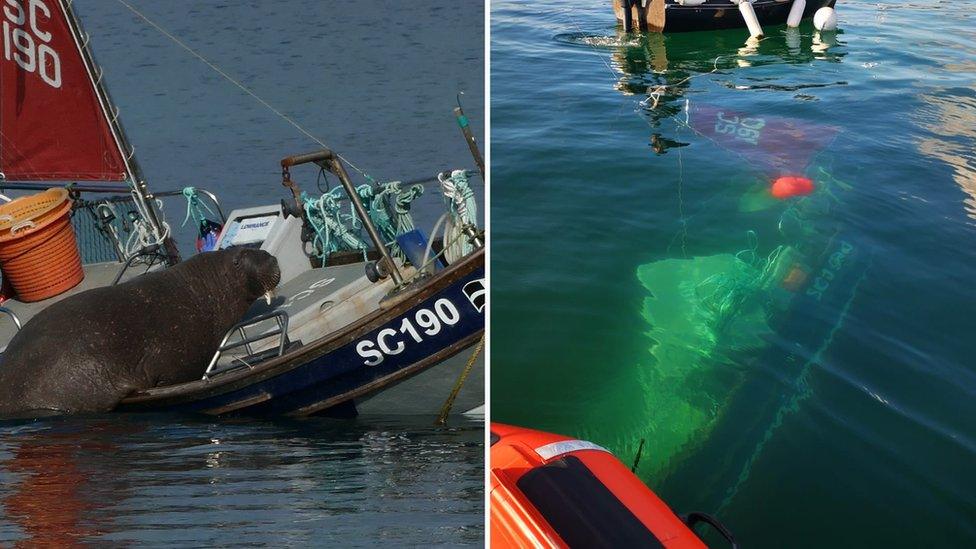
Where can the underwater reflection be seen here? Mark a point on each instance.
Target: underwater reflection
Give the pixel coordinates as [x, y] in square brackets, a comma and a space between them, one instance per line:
[663, 68]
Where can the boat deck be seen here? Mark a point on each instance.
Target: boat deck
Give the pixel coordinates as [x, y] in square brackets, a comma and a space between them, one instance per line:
[318, 303]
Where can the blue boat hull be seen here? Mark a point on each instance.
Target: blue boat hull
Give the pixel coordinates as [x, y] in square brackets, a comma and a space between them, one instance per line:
[382, 350]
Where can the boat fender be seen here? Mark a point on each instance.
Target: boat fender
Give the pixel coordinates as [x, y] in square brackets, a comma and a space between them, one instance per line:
[749, 15]
[791, 185]
[825, 19]
[796, 13]
[691, 3]
[207, 235]
[208, 230]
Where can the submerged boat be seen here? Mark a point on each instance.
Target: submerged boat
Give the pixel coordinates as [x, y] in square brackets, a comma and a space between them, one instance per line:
[371, 315]
[704, 15]
[549, 490]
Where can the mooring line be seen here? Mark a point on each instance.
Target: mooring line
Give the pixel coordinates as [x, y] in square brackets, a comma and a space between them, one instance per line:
[449, 403]
[242, 87]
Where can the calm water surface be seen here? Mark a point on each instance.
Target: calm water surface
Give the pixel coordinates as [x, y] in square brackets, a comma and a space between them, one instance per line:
[164, 480]
[805, 368]
[377, 83]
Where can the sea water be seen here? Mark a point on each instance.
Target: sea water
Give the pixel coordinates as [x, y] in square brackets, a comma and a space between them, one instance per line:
[802, 368]
[162, 480]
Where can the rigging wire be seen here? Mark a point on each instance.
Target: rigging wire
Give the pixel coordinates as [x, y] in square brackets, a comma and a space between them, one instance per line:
[242, 87]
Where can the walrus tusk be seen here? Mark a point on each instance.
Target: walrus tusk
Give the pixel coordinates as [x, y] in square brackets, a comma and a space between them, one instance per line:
[267, 296]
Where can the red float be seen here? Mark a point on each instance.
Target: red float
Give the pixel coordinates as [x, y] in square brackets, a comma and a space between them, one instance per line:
[791, 185]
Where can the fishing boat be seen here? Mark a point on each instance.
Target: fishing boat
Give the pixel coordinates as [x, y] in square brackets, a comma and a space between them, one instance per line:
[706, 15]
[549, 490]
[371, 315]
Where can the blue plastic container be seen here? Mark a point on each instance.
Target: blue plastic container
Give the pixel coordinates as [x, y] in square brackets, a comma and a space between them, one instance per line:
[414, 245]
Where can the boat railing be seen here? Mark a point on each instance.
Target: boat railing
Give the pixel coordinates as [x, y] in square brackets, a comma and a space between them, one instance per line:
[332, 162]
[13, 316]
[104, 232]
[281, 319]
[469, 231]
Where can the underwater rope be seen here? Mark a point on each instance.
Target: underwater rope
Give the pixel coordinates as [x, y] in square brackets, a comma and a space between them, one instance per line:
[792, 404]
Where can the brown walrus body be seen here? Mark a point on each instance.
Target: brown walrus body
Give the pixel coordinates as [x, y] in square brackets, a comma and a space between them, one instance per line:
[87, 352]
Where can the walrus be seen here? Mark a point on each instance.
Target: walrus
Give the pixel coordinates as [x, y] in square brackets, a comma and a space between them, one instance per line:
[87, 352]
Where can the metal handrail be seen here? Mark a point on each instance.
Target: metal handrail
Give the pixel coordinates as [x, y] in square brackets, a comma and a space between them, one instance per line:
[127, 198]
[281, 317]
[13, 316]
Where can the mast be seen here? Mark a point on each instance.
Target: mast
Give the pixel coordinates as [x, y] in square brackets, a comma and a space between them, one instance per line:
[140, 189]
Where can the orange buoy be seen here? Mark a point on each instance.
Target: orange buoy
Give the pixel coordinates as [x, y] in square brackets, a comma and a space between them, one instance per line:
[791, 185]
[548, 490]
[38, 251]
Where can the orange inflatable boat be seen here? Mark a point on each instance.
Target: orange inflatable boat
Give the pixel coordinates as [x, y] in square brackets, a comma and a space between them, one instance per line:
[552, 491]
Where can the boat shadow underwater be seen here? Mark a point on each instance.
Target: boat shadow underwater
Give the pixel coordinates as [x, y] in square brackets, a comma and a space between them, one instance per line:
[734, 333]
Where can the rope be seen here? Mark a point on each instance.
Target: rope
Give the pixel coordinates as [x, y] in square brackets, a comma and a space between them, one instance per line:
[379, 212]
[463, 209]
[143, 233]
[331, 232]
[449, 403]
[402, 201]
[722, 295]
[389, 209]
[195, 207]
[791, 404]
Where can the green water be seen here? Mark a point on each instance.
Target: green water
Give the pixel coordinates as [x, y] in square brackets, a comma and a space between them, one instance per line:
[804, 368]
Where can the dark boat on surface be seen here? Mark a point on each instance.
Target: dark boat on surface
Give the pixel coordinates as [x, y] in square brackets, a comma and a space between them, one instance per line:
[371, 315]
[686, 16]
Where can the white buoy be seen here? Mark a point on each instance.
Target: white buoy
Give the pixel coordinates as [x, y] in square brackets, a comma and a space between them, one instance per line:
[749, 14]
[825, 19]
[796, 13]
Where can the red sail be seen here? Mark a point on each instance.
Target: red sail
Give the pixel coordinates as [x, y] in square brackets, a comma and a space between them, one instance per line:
[53, 124]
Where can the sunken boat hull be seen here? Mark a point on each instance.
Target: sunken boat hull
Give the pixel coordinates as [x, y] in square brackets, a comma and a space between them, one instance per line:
[330, 376]
[719, 14]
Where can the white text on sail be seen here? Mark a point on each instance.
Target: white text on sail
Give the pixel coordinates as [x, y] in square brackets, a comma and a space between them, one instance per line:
[26, 44]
